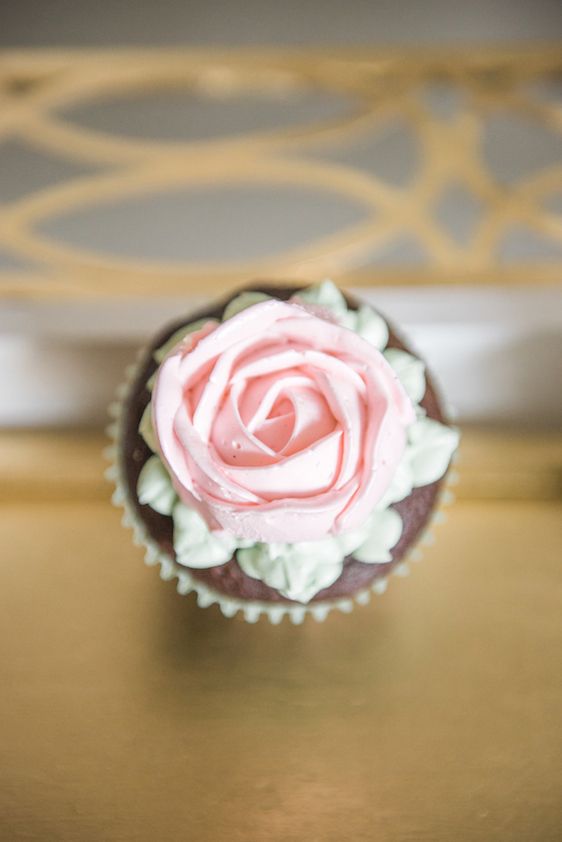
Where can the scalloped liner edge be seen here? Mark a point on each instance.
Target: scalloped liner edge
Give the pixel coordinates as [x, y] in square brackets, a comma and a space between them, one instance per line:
[206, 596]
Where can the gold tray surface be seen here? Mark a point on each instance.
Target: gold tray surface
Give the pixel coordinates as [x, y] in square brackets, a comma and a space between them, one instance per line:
[127, 713]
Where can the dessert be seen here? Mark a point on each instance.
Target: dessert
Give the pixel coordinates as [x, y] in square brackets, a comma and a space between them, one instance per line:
[280, 452]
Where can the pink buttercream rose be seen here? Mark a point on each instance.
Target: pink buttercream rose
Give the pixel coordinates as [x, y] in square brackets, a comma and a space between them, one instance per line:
[278, 425]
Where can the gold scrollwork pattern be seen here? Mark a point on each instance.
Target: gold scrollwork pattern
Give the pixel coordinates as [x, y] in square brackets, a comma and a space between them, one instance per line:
[37, 87]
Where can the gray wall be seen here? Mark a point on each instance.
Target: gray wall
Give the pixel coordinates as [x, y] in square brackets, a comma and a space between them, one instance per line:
[76, 22]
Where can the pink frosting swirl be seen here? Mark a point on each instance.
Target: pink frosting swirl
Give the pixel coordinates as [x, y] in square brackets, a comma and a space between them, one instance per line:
[278, 425]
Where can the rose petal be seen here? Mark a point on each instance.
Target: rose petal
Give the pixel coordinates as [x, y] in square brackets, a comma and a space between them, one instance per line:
[316, 468]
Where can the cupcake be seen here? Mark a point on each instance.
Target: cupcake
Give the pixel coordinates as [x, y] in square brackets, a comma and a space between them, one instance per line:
[280, 452]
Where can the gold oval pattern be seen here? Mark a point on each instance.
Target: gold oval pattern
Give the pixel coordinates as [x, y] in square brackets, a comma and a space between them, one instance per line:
[38, 90]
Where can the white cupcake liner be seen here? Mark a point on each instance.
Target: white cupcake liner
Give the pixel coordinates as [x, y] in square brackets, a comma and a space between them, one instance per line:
[251, 610]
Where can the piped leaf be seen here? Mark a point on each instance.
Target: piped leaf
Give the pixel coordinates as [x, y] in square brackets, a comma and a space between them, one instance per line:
[372, 327]
[178, 337]
[410, 371]
[298, 571]
[146, 428]
[385, 529]
[242, 302]
[154, 487]
[431, 446]
[195, 544]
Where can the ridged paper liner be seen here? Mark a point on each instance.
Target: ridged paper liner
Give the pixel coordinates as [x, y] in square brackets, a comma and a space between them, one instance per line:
[206, 595]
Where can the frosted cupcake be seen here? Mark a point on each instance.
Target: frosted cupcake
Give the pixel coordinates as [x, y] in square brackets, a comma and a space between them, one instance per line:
[280, 452]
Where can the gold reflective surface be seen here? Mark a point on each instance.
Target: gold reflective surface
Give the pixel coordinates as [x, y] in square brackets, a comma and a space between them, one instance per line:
[127, 713]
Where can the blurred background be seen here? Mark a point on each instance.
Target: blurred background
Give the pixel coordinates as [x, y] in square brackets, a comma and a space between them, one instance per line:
[154, 155]
[412, 150]
[358, 22]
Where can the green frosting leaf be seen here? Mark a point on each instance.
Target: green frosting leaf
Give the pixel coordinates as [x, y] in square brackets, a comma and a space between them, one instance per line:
[410, 371]
[384, 531]
[298, 571]
[324, 294]
[371, 326]
[364, 321]
[430, 448]
[242, 302]
[195, 544]
[178, 336]
[154, 487]
[146, 429]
